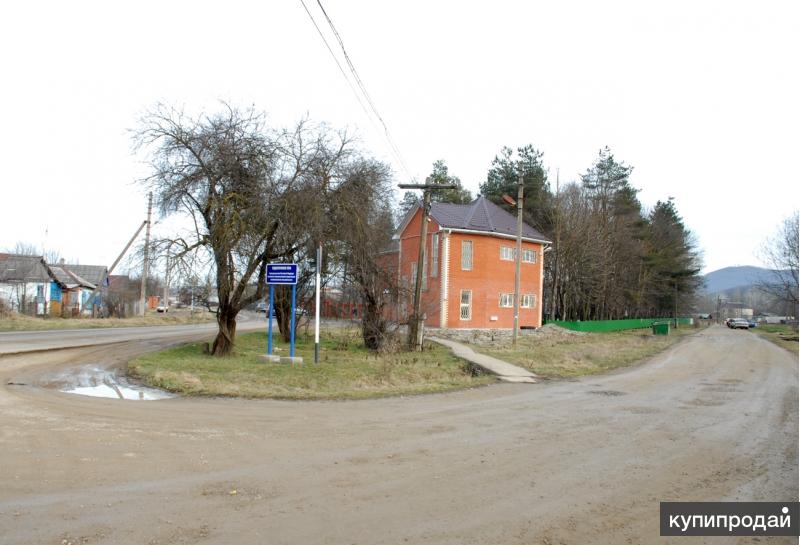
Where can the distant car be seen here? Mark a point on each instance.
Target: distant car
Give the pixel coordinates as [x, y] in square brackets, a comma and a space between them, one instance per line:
[728, 321]
[262, 307]
[752, 323]
[162, 308]
[739, 323]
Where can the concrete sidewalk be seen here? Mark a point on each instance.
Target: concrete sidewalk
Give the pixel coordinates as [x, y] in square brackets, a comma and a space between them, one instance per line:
[504, 370]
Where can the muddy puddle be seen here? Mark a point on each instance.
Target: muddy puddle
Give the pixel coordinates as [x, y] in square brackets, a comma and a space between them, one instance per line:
[97, 381]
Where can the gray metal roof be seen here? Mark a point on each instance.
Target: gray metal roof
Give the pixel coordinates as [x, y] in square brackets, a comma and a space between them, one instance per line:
[65, 276]
[90, 273]
[15, 268]
[481, 215]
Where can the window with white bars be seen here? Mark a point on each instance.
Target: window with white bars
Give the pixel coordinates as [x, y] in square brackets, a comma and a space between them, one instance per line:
[435, 255]
[506, 300]
[529, 256]
[528, 300]
[509, 253]
[424, 275]
[466, 304]
[466, 255]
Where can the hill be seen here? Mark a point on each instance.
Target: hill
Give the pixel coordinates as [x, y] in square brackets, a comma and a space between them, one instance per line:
[735, 277]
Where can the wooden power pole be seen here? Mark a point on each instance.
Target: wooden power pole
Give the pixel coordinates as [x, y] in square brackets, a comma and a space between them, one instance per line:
[143, 289]
[416, 321]
[518, 261]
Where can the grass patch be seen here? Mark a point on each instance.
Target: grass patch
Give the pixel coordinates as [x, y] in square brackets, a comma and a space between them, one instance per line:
[346, 371]
[783, 335]
[567, 356]
[19, 322]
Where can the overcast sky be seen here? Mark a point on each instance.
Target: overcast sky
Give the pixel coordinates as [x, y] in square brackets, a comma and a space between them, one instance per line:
[701, 98]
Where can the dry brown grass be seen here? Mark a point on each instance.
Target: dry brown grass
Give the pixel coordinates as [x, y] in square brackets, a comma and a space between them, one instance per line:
[565, 356]
[19, 322]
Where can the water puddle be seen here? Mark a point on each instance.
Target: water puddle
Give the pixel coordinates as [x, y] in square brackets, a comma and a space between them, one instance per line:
[96, 381]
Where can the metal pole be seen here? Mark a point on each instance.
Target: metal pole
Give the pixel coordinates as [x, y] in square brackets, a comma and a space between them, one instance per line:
[291, 333]
[269, 319]
[518, 269]
[143, 289]
[316, 303]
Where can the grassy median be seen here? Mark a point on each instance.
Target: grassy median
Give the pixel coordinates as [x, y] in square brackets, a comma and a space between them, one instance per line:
[566, 354]
[346, 371]
[19, 322]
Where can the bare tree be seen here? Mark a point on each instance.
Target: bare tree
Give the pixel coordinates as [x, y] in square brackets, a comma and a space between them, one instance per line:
[361, 208]
[219, 171]
[253, 195]
[780, 253]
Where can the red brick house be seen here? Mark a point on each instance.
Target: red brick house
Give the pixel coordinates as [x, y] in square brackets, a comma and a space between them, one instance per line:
[468, 276]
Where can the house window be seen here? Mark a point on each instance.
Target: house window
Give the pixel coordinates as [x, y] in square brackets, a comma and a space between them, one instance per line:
[466, 304]
[414, 275]
[506, 300]
[528, 300]
[425, 273]
[466, 255]
[435, 255]
[508, 253]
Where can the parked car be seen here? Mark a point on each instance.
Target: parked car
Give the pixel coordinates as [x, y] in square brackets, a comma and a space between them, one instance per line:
[728, 321]
[739, 323]
[162, 308]
[752, 323]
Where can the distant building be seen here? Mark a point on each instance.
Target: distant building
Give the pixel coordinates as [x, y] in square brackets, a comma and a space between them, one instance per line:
[30, 285]
[468, 276]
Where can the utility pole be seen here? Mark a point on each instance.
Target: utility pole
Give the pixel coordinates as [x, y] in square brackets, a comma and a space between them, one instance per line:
[90, 299]
[166, 284]
[676, 303]
[518, 264]
[416, 321]
[318, 286]
[146, 255]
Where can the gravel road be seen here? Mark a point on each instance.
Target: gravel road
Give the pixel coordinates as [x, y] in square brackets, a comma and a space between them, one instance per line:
[569, 462]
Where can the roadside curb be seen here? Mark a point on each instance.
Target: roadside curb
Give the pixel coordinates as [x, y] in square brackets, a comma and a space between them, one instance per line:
[505, 371]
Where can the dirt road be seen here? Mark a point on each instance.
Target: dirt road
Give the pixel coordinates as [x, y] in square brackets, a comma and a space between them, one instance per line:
[574, 462]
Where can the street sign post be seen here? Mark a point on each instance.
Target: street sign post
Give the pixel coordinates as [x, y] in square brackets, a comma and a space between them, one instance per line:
[281, 274]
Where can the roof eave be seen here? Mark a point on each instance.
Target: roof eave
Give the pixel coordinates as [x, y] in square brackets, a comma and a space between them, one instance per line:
[499, 235]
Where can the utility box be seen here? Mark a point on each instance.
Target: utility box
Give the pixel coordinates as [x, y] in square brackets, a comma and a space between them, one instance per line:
[660, 328]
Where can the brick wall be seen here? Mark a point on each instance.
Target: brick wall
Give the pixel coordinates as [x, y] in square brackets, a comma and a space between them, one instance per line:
[490, 276]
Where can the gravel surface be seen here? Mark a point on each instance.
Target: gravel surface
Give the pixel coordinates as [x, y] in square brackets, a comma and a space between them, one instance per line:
[569, 462]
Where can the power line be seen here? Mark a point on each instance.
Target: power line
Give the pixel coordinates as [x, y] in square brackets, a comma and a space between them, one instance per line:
[393, 147]
[363, 88]
[344, 74]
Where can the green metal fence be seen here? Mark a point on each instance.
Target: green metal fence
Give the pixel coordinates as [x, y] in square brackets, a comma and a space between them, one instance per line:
[604, 326]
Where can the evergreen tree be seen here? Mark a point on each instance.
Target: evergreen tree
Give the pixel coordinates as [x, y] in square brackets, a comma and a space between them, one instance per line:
[503, 177]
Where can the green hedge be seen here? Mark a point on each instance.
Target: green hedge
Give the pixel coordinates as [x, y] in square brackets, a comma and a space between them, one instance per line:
[604, 326]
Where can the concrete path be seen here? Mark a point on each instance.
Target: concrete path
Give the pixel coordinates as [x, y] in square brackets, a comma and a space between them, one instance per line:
[504, 370]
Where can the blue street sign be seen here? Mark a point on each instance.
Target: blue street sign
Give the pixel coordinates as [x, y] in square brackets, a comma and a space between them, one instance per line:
[282, 273]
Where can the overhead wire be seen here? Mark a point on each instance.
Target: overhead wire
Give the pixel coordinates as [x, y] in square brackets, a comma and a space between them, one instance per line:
[344, 74]
[359, 82]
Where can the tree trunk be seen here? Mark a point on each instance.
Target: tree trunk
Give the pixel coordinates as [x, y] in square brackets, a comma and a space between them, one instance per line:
[223, 344]
[373, 326]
